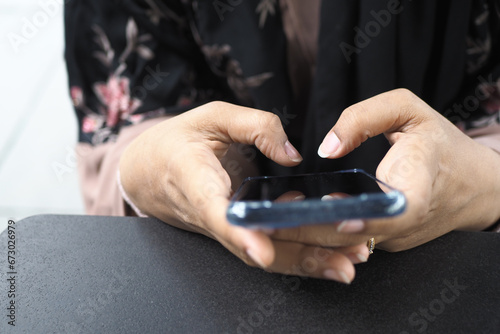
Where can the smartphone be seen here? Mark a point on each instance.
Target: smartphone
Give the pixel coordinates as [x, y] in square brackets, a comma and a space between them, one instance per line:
[272, 202]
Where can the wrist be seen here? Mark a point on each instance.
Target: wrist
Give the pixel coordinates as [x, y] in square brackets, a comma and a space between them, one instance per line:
[126, 198]
[495, 171]
[485, 209]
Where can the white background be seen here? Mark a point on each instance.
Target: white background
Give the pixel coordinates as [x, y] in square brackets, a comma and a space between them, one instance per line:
[37, 122]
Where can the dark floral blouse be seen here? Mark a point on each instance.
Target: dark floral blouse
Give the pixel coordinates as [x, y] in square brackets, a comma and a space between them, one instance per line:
[132, 60]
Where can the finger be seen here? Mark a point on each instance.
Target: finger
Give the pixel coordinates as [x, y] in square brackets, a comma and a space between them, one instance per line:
[208, 192]
[312, 261]
[230, 123]
[334, 196]
[253, 247]
[325, 235]
[393, 111]
[409, 169]
[290, 258]
[356, 254]
[291, 196]
[256, 248]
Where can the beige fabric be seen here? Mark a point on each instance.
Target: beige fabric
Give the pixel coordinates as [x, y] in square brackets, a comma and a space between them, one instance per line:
[98, 167]
[99, 177]
[488, 136]
[301, 26]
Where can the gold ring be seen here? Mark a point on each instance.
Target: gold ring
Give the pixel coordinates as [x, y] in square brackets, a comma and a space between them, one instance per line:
[371, 245]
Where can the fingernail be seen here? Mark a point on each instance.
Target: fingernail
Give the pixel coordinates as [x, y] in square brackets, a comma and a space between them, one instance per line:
[255, 258]
[292, 153]
[361, 257]
[299, 198]
[351, 226]
[357, 258]
[326, 198]
[338, 276]
[330, 197]
[329, 145]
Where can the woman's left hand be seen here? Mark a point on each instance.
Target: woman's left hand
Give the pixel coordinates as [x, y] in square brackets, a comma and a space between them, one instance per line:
[450, 181]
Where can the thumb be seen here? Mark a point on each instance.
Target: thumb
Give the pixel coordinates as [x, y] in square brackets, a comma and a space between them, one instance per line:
[230, 123]
[390, 112]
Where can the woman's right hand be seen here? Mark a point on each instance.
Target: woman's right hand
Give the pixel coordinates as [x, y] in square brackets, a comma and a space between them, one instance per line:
[173, 172]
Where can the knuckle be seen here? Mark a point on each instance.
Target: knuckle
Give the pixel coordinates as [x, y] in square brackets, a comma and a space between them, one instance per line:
[354, 117]
[354, 114]
[217, 105]
[405, 93]
[407, 101]
[258, 119]
[214, 114]
[295, 234]
[407, 98]
[267, 132]
[299, 234]
[272, 121]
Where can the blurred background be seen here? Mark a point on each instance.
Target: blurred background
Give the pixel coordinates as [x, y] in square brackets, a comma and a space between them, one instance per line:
[38, 127]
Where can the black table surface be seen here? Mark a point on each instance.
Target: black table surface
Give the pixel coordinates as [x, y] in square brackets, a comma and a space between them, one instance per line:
[81, 274]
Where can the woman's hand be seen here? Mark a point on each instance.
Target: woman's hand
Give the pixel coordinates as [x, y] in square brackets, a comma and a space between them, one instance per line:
[173, 172]
[450, 181]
